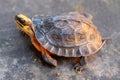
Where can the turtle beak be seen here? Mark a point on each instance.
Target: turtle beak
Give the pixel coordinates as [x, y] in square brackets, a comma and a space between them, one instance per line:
[16, 17]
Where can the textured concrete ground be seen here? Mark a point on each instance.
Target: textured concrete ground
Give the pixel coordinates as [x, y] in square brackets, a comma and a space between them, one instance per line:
[17, 61]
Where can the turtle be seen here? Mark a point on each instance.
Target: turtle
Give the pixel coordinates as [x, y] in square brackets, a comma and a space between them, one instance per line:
[69, 35]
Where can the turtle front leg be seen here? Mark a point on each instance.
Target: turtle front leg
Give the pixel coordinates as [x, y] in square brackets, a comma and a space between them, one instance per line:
[47, 58]
[78, 67]
[45, 54]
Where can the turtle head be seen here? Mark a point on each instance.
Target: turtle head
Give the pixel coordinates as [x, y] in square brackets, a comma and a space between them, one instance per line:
[24, 24]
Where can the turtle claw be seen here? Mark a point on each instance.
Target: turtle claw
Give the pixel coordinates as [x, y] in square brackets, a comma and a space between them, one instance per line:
[79, 67]
[47, 58]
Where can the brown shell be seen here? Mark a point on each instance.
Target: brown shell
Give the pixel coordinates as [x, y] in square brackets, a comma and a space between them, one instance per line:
[69, 35]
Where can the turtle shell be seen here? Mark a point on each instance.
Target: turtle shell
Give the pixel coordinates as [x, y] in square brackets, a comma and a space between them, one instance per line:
[69, 35]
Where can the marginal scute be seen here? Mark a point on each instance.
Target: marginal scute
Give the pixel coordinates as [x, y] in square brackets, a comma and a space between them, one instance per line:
[73, 52]
[48, 46]
[59, 51]
[84, 50]
[69, 52]
[78, 53]
[54, 50]
[91, 48]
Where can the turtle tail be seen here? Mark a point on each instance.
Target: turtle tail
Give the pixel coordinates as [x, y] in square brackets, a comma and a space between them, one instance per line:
[104, 40]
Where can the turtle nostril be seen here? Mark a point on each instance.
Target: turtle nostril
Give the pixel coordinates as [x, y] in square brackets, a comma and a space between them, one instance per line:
[16, 17]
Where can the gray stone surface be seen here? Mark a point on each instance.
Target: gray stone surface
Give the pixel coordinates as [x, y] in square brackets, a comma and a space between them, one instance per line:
[16, 51]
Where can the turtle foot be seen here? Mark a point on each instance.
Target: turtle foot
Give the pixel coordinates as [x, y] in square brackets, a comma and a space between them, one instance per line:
[79, 67]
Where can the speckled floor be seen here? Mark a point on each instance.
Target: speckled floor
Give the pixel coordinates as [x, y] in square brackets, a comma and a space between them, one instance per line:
[17, 59]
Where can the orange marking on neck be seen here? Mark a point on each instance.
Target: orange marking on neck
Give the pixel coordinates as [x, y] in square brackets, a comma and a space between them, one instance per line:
[38, 46]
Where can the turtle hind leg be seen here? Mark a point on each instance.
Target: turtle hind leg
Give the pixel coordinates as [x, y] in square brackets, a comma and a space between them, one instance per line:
[81, 64]
[48, 59]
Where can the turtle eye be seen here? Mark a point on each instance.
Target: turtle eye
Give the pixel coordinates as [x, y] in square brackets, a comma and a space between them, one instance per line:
[22, 21]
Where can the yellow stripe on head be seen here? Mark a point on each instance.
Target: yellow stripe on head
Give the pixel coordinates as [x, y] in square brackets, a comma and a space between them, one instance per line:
[24, 24]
